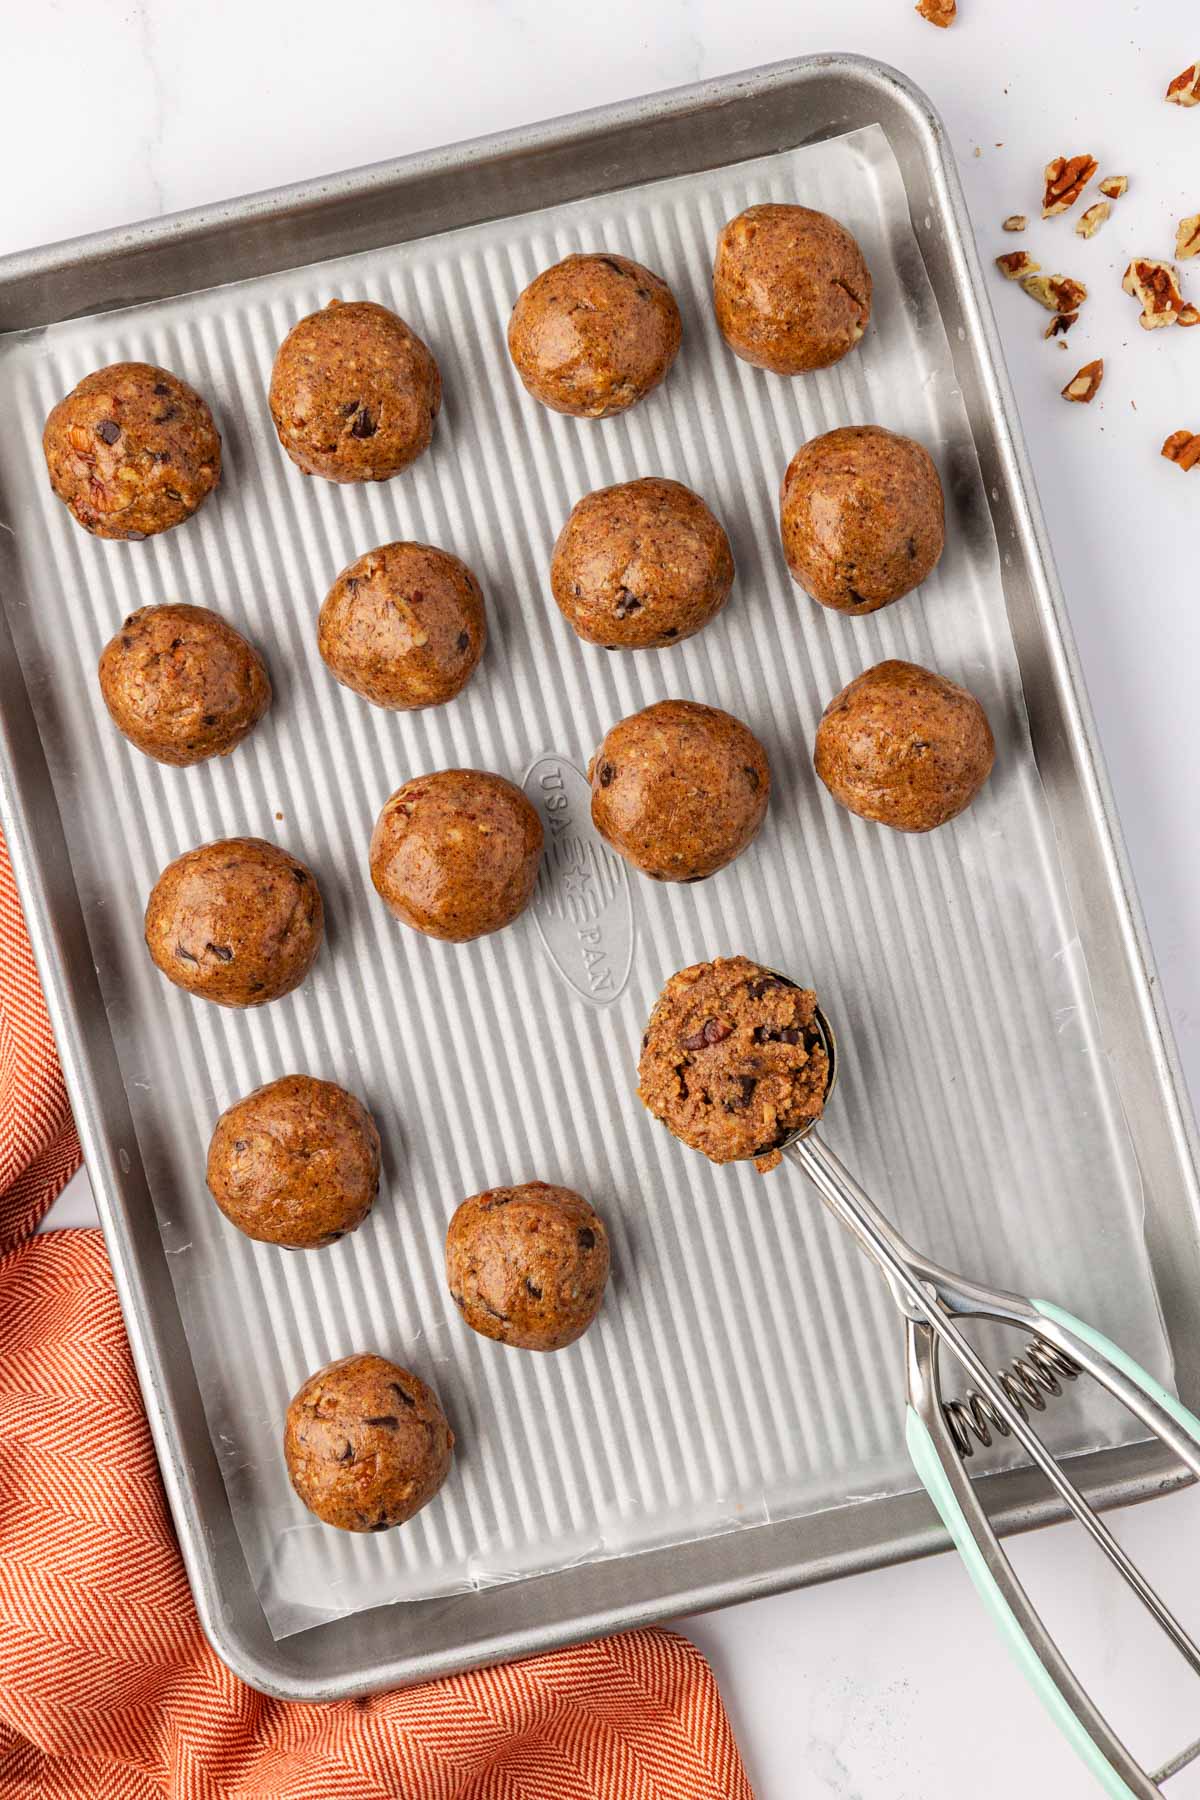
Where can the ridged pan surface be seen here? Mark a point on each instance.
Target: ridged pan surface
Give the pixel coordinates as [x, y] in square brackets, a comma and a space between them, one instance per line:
[746, 1365]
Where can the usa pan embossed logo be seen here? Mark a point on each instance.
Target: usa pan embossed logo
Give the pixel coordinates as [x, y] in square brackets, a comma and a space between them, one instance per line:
[582, 908]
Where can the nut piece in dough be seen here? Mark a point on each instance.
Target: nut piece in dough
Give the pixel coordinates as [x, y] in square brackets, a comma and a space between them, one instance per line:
[404, 626]
[354, 393]
[456, 854]
[904, 747]
[641, 565]
[592, 335]
[862, 517]
[366, 1444]
[238, 921]
[527, 1265]
[181, 684]
[791, 289]
[679, 789]
[732, 1060]
[132, 450]
[295, 1163]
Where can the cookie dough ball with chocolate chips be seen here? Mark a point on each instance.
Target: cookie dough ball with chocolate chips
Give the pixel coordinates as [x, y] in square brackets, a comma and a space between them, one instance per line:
[366, 1444]
[733, 1061]
[456, 854]
[354, 393]
[862, 517]
[904, 747]
[403, 626]
[238, 921]
[527, 1265]
[679, 789]
[295, 1163]
[594, 334]
[791, 289]
[181, 684]
[641, 565]
[132, 451]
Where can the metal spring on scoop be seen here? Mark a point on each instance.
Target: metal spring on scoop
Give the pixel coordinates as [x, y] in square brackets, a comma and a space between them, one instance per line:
[1026, 1380]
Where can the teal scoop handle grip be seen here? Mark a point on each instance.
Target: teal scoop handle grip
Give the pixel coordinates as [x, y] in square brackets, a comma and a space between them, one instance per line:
[933, 1300]
[937, 1462]
[929, 1467]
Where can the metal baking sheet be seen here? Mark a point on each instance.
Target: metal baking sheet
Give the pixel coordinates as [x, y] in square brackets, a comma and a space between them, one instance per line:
[745, 1371]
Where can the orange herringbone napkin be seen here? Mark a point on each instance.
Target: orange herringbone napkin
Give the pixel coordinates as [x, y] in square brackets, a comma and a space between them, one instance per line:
[108, 1688]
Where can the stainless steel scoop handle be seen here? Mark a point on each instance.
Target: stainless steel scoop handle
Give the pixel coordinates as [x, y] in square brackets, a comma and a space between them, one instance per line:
[930, 1297]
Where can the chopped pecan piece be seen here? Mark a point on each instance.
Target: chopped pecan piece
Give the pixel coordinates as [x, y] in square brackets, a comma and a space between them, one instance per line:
[1086, 385]
[1066, 178]
[1057, 293]
[1016, 264]
[1183, 447]
[1185, 89]
[1187, 238]
[1059, 325]
[1190, 315]
[1113, 186]
[1088, 223]
[938, 12]
[1156, 286]
[1015, 222]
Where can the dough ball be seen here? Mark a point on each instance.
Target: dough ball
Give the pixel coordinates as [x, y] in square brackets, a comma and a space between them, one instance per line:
[680, 789]
[641, 565]
[132, 451]
[366, 1443]
[733, 1060]
[904, 747]
[527, 1265]
[594, 334]
[862, 517]
[791, 289]
[403, 626]
[295, 1163]
[239, 922]
[456, 854]
[354, 393]
[182, 685]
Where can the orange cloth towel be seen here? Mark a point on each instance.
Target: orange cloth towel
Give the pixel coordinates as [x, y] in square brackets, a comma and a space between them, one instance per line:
[107, 1686]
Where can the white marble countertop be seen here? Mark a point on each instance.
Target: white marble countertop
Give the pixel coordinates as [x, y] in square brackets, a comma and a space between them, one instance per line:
[890, 1686]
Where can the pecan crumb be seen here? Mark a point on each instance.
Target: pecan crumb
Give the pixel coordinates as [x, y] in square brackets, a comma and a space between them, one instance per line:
[1183, 448]
[1057, 293]
[1066, 178]
[1086, 385]
[1088, 223]
[1113, 186]
[1156, 286]
[1016, 264]
[1059, 326]
[1185, 89]
[938, 12]
[1015, 222]
[1187, 238]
